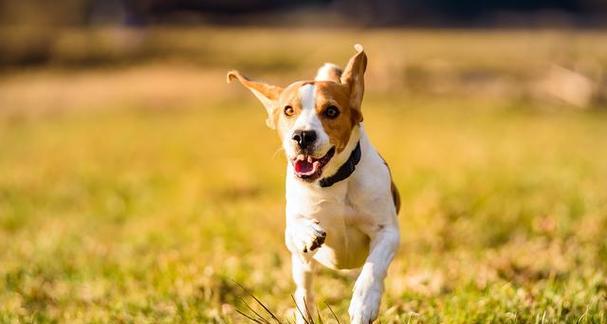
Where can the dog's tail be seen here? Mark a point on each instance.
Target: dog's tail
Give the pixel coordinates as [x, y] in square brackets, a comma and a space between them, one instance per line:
[329, 72]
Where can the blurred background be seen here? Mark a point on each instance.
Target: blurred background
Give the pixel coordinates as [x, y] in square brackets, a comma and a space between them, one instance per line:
[438, 47]
[137, 186]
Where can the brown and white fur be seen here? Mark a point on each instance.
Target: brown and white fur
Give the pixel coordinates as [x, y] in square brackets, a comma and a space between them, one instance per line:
[352, 223]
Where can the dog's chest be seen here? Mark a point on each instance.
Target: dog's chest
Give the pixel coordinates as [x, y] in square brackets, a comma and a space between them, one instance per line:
[346, 245]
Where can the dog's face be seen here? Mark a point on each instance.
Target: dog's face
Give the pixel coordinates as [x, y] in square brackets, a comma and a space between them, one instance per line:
[315, 119]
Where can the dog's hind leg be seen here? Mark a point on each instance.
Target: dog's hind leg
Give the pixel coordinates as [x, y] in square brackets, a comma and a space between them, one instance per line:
[302, 269]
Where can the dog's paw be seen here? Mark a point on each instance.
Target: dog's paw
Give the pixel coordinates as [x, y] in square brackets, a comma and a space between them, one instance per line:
[364, 310]
[307, 235]
[365, 303]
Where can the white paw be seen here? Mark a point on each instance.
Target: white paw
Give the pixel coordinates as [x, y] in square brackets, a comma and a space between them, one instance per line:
[307, 235]
[364, 306]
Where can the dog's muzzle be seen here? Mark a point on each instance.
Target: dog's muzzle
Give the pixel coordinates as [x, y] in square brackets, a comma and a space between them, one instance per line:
[309, 168]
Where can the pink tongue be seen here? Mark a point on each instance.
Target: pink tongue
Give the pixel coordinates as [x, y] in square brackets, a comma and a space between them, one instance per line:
[303, 166]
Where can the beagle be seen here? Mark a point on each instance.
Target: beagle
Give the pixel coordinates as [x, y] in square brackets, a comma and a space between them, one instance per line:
[342, 205]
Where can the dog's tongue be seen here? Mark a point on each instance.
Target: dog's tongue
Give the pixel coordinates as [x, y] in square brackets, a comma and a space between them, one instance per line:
[304, 167]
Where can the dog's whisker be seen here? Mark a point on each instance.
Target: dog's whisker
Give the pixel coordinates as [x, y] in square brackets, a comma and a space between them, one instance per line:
[277, 151]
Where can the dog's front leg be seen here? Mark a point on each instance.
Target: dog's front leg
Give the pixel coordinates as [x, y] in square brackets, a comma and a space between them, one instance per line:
[303, 237]
[369, 286]
[304, 296]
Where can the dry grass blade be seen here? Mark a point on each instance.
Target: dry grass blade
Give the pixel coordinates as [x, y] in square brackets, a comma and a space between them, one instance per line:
[320, 321]
[332, 312]
[259, 302]
[249, 317]
[261, 318]
[300, 312]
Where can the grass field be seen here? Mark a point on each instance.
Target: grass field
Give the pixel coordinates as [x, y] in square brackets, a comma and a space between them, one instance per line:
[143, 194]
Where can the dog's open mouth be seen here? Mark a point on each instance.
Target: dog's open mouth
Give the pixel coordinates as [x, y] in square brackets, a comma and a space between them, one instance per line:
[309, 168]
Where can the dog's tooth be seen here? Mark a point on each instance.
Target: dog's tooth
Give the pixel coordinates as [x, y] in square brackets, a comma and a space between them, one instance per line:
[310, 159]
[301, 157]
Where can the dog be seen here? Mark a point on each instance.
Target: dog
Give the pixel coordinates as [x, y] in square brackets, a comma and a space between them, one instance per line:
[342, 204]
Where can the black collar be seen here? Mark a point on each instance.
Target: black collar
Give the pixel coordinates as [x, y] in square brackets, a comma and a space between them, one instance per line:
[344, 171]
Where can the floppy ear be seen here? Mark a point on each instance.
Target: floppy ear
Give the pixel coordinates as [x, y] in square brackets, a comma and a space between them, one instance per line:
[353, 78]
[267, 94]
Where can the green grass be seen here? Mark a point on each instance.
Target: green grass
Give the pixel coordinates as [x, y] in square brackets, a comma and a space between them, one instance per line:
[151, 216]
[150, 210]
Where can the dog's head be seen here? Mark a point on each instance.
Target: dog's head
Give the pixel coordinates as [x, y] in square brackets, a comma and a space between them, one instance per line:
[317, 121]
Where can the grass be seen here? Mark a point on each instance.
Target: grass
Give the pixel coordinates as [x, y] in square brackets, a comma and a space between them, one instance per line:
[149, 207]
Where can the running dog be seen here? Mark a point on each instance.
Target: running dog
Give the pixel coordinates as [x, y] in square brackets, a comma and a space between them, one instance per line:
[342, 204]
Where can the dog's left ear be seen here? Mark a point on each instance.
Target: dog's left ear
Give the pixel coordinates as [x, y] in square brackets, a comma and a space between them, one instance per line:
[353, 78]
[267, 94]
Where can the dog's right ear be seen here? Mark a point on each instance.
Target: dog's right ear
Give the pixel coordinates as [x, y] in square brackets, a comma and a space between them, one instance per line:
[267, 94]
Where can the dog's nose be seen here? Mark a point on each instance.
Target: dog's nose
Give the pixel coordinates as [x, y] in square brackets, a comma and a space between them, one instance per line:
[304, 138]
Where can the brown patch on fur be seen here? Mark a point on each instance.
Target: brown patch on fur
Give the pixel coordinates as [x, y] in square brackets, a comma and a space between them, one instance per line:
[395, 196]
[346, 94]
[393, 189]
[329, 93]
[289, 97]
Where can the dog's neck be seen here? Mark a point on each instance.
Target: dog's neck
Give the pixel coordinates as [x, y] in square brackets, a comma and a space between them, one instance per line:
[344, 164]
[345, 170]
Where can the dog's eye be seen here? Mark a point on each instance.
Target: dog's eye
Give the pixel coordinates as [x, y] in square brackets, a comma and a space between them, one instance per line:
[289, 111]
[331, 112]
